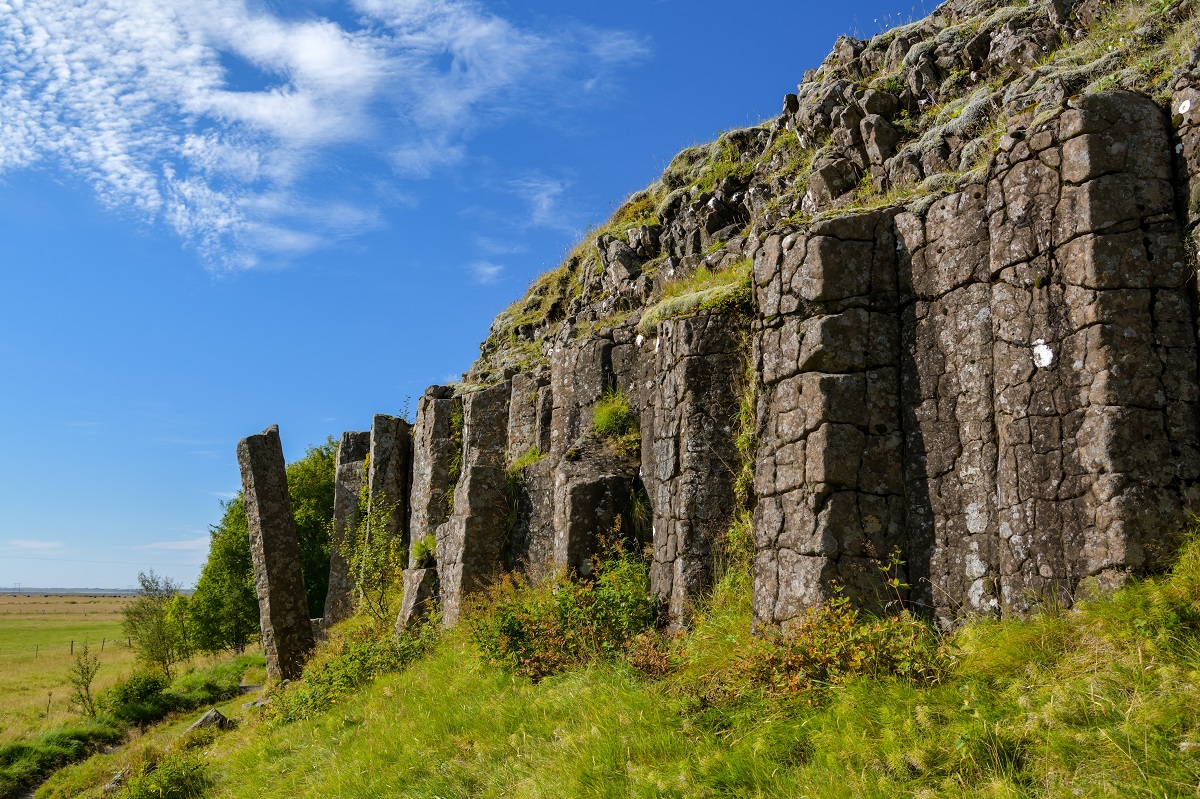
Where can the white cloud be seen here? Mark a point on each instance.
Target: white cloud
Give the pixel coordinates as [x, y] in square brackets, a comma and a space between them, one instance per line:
[199, 544]
[136, 96]
[31, 544]
[486, 273]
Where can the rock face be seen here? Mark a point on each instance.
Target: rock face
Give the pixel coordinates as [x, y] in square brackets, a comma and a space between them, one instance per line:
[693, 456]
[954, 273]
[471, 544]
[436, 450]
[389, 470]
[420, 594]
[348, 484]
[287, 634]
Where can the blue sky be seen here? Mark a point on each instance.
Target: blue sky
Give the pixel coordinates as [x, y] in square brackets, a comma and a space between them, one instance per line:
[217, 215]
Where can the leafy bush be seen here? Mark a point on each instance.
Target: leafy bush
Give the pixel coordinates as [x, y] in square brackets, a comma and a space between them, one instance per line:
[832, 644]
[615, 420]
[357, 656]
[562, 623]
[175, 776]
[138, 699]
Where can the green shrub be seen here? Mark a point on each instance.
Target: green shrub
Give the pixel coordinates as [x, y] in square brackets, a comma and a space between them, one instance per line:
[563, 622]
[614, 419]
[175, 776]
[832, 644]
[139, 699]
[357, 656]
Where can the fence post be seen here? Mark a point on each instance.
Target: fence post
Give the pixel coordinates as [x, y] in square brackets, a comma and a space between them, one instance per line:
[101, 644]
[72, 647]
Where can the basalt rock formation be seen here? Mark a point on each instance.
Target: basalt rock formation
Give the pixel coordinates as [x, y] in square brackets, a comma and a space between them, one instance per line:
[935, 325]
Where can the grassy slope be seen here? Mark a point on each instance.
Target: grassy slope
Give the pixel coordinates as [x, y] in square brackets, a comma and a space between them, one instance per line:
[1099, 701]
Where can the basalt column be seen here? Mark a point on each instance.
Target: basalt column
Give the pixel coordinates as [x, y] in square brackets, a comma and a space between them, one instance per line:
[694, 458]
[531, 487]
[828, 474]
[1094, 350]
[348, 484]
[437, 451]
[950, 436]
[388, 473]
[471, 544]
[278, 579]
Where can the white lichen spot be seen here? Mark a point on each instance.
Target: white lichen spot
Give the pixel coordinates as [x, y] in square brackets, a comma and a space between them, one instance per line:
[1185, 106]
[640, 340]
[1043, 356]
[976, 519]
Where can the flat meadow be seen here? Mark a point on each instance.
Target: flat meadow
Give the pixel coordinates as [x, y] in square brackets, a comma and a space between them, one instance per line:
[36, 634]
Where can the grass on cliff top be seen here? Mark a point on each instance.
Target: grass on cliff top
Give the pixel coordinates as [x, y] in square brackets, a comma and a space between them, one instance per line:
[702, 290]
[1098, 701]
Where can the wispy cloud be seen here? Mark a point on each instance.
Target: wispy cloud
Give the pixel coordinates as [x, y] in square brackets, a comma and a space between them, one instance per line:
[139, 98]
[222, 494]
[486, 273]
[543, 195]
[35, 545]
[199, 544]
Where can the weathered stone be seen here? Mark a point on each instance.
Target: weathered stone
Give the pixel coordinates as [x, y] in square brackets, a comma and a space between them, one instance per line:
[420, 597]
[593, 498]
[348, 484]
[472, 542]
[694, 459]
[579, 376]
[389, 471]
[287, 635]
[212, 718]
[436, 455]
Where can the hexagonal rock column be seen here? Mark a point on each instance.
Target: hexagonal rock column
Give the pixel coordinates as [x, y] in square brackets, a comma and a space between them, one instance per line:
[592, 487]
[348, 484]
[694, 458]
[828, 474]
[388, 472]
[531, 487]
[1094, 350]
[471, 544]
[278, 579]
[434, 453]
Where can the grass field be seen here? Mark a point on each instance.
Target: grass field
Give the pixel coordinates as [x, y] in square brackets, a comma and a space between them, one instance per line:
[46, 625]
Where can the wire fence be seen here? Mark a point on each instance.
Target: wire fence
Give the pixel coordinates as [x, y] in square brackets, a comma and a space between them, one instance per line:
[50, 650]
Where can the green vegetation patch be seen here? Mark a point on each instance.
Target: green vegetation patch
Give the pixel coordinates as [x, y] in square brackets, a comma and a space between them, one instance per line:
[614, 419]
[703, 290]
[565, 622]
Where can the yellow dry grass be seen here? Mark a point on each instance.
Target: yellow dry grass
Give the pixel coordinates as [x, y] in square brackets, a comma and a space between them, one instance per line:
[36, 632]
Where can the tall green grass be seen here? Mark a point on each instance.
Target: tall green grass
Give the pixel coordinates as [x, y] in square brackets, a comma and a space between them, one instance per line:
[1098, 701]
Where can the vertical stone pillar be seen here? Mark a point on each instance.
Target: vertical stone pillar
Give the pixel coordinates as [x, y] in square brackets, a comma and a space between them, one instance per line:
[388, 473]
[1094, 358]
[471, 544]
[695, 457]
[348, 484]
[278, 579]
[435, 452]
[828, 475]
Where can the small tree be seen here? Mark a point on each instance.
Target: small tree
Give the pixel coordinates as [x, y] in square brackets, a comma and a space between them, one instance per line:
[158, 637]
[376, 558]
[83, 671]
